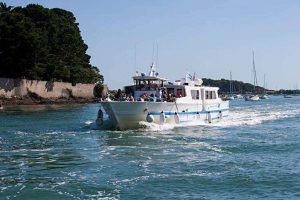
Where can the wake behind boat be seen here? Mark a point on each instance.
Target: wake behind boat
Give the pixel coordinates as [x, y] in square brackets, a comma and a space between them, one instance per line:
[156, 100]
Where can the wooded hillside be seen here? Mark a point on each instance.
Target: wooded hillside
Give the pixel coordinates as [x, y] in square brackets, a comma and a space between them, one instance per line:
[43, 44]
[238, 86]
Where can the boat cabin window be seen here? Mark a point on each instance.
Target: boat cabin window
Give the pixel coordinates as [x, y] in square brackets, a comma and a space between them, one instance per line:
[195, 94]
[146, 85]
[214, 96]
[210, 95]
[171, 91]
[180, 92]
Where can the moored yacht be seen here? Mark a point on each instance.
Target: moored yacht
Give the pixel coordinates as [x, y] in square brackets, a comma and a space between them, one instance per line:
[264, 96]
[252, 98]
[153, 99]
[230, 96]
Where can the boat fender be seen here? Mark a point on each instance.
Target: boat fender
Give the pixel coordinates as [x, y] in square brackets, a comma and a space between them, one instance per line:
[176, 118]
[209, 117]
[149, 118]
[162, 117]
[100, 117]
[220, 114]
[198, 115]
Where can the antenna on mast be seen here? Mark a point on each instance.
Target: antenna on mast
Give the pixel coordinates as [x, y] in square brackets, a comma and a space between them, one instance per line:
[230, 84]
[135, 57]
[153, 52]
[254, 71]
[156, 55]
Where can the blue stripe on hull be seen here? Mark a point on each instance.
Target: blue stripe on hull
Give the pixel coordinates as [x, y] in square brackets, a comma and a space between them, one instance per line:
[190, 113]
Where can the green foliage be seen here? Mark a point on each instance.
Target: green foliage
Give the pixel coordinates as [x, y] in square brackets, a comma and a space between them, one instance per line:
[43, 44]
[238, 86]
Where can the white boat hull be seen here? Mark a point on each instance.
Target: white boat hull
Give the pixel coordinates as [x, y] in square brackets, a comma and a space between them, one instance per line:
[229, 98]
[129, 115]
[252, 98]
[264, 97]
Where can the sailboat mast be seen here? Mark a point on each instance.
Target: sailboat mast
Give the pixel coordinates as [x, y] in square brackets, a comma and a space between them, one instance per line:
[230, 84]
[264, 83]
[254, 71]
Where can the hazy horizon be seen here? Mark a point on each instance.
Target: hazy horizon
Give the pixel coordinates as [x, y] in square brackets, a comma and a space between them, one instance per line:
[210, 38]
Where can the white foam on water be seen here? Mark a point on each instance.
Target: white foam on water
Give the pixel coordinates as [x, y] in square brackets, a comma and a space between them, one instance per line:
[237, 117]
[88, 122]
[21, 133]
[254, 117]
[145, 126]
[52, 133]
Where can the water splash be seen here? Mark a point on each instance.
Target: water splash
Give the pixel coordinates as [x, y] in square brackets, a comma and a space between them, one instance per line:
[237, 117]
[88, 122]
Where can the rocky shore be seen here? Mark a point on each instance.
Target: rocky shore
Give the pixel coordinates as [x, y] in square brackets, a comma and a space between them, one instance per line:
[36, 101]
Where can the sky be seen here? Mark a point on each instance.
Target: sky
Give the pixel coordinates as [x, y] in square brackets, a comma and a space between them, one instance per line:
[208, 37]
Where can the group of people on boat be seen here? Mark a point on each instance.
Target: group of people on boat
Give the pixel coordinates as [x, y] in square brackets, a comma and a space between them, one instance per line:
[159, 96]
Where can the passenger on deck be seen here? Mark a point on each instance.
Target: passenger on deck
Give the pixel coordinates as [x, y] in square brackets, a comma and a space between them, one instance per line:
[131, 98]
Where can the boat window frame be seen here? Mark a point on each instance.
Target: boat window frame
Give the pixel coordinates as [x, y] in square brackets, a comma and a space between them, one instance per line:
[195, 94]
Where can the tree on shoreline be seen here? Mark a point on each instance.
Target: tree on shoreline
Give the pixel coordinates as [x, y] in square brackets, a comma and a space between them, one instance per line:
[4, 8]
[43, 44]
[238, 86]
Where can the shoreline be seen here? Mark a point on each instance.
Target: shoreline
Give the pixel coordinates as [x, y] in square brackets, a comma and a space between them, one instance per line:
[43, 101]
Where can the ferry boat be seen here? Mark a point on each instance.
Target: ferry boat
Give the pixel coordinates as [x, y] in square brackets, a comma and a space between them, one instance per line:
[153, 99]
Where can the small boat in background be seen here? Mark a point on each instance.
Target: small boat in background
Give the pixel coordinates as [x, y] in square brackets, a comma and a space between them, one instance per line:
[238, 96]
[264, 96]
[252, 98]
[230, 96]
[287, 96]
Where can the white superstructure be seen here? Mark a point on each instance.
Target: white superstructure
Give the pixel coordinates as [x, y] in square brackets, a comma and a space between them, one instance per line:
[155, 100]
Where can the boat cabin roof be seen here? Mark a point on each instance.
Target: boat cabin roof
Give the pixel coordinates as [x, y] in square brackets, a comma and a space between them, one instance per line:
[149, 78]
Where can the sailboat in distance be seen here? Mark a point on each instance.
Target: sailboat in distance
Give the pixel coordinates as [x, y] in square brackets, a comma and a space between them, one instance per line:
[264, 95]
[230, 96]
[253, 96]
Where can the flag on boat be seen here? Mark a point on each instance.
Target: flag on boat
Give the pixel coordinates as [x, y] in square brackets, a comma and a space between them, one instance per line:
[188, 76]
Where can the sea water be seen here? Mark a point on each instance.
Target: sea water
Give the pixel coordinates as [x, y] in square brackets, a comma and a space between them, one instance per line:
[56, 152]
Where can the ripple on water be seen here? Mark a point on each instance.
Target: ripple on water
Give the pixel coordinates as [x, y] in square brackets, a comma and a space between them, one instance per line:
[252, 154]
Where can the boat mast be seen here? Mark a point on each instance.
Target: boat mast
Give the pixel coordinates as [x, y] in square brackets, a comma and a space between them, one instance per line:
[254, 71]
[264, 83]
[156, 56]
[135, 57]
[230, 84]
[153, 53]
